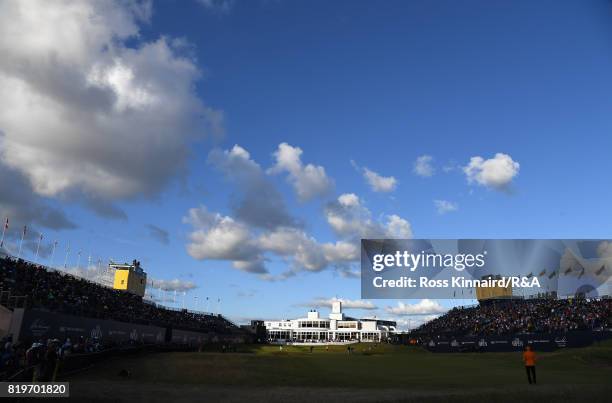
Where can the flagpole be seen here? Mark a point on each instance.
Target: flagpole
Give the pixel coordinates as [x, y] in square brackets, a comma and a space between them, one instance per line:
[38, 247]
[53, 253]
[4, 227]
[67, 252]
[21, 242]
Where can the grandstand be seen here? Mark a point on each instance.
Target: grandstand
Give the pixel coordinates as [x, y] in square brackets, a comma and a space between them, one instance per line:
[41, 305]
[504, 317]
[25, 285]
[498, 325]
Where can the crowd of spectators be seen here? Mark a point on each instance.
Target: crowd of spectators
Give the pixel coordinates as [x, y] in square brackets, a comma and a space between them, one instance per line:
[43, 355]
[61, 292]
[504, 317]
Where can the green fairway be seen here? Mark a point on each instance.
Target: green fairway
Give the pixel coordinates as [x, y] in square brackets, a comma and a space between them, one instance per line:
[564, 374]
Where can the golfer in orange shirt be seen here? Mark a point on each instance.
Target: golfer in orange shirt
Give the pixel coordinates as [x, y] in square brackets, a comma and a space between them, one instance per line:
[529, 357]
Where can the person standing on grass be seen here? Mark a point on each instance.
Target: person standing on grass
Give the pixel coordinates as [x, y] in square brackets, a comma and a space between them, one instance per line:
[529, 358]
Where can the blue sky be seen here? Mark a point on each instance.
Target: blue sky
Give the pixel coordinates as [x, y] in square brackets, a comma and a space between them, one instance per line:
[352, 84]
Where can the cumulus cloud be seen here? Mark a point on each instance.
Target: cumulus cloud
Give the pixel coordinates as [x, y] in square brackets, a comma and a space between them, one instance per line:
[172, 285]
[22, 206]
[379, 183]
[217, 237]
[159, 234]
[220, 237]
[423, 307]
[346, 303]
[85, 116]
[423, 166]
[309, 181]
[91, 273]
[350, 219]
[409, 323]
[445, 206]
[250, 241]
[258, 202]
[496, 172]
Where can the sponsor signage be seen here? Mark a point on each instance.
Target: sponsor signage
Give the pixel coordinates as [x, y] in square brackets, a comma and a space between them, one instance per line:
[540, 342]
[37, 324]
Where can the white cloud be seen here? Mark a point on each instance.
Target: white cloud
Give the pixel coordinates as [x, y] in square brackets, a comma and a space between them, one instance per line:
[496, 172]
[341, 252]
[91, 273]
[249, 244]
[305, 251]
[22, 206]
[445, 206]
[217, 237]
[346, 303]
[379, 183]
[85, 116]
[397, 227]
[409, 323]
[349, 200]
[172, 285]
[423, 166]
[258, 203]
[351, 220]
[309, 181]
[220, 237]
[423, 307]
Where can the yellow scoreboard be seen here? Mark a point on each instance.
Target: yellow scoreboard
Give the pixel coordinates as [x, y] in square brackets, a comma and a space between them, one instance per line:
[130, 278]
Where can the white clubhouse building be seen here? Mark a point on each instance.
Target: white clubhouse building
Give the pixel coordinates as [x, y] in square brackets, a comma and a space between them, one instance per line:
[338, 328]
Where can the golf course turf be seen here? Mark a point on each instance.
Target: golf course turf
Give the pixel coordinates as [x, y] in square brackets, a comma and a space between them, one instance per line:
[370, 373]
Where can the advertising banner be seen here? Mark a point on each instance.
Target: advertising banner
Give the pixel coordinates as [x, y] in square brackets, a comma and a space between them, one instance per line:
[39, 325]
[539, 342]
